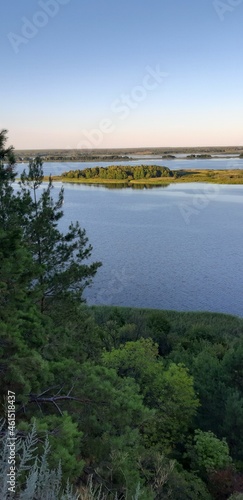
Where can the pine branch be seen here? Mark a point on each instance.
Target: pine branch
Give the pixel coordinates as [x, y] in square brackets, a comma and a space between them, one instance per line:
[56, 399]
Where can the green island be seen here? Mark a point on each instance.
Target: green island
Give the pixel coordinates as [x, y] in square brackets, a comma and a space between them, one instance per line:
[101, 402]
[204, 156]
[151, 175]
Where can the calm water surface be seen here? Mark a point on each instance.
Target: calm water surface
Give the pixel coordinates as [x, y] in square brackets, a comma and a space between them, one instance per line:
[56, 168]
[179, 247]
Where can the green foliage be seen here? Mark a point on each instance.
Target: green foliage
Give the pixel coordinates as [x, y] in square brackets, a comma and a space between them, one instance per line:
[158, 330]
[115, 405]
[185, 485]
[169, 391]
[120, 173]
[34, 479]
[233, 422]
[209, 453]
[65, 441]
[59, 256]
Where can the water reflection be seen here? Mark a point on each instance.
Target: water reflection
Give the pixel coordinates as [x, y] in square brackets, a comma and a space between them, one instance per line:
[119, 185]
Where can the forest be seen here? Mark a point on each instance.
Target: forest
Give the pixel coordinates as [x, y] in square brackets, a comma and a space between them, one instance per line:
[120, 173]
[105, 402]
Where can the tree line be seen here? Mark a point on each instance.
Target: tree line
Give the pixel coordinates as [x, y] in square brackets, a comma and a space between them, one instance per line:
[120, 173]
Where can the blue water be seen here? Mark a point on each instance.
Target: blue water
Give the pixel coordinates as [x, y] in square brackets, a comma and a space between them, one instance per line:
[179, 247]
[56, 168]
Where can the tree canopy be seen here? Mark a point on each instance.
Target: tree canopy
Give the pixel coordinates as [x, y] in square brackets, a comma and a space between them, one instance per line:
[120, 172]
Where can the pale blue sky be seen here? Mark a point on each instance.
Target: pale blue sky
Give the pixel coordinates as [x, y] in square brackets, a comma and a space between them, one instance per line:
[85, 78]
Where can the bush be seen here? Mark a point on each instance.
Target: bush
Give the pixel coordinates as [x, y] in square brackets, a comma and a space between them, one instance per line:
[34, 478]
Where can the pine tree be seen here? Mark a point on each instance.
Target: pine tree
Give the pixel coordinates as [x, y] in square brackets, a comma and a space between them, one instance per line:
[60, 257]
[7, 177]
[22, 330]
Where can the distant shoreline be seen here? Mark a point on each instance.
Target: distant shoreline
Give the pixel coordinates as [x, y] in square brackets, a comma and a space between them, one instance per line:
[127, 154]
[148, 158]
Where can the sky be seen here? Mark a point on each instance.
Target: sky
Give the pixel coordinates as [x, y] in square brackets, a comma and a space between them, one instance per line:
[106, 74]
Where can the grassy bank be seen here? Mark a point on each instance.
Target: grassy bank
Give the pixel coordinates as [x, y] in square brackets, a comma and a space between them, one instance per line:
[179, 176]
[222, 325]
[195, 175]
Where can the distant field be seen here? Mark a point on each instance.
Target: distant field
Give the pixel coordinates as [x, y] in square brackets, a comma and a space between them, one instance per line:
[213, 176]
[67, 155]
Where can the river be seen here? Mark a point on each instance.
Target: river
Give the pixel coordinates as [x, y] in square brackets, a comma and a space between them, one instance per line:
[57, 168]
[177, 247]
